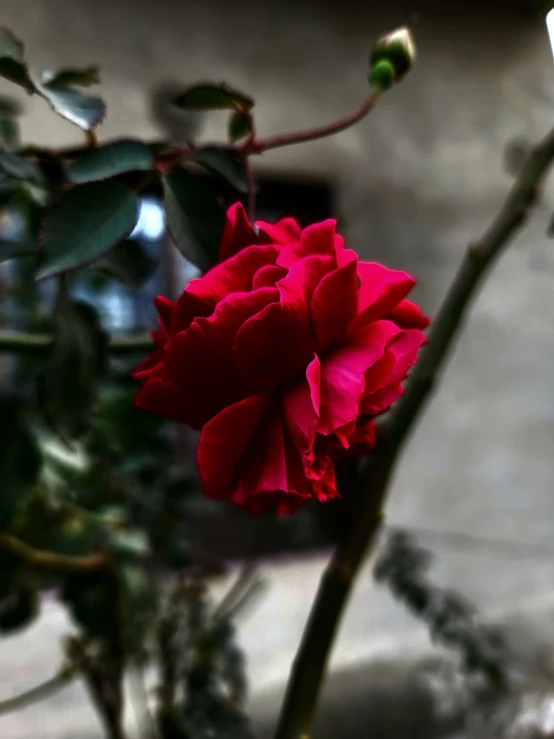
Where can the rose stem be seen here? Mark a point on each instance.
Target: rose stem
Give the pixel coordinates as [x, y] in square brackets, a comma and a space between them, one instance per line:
[258, 146]
[311, 660]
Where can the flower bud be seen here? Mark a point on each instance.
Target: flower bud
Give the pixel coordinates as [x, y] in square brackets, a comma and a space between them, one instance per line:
[398, 49]
[382, 75]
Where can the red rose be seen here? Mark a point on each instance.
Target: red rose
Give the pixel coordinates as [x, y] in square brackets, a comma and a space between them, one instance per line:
[282, 354]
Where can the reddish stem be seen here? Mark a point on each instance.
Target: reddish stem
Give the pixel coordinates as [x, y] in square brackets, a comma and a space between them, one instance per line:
[258, 146]
[251, 189]
[92, 139]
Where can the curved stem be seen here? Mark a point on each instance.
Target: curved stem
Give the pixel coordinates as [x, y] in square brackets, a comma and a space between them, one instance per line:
[40, 692]
[258, 146]
[50, 560]
[311, 661]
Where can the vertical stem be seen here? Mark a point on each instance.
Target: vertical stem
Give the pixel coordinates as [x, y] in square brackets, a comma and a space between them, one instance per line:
[311, 662]
[251, 208]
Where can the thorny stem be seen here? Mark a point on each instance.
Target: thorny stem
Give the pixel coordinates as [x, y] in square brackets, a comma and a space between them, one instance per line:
[309, 667]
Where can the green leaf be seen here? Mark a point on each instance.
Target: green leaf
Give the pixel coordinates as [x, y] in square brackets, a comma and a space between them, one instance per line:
[9, 132]
[110, 160]
[194, 217]
[15, 249]
[68, 386]
[211, 96]
[130, 543]
[128, 262]
[20, 168]
[240, 125]
[12, 61]
[85, 111]
[225, 163]
[9, 106]
[88, 222]
[90, 603]
[9, 126]
[20, 459]
[80, 77]
[18, 610]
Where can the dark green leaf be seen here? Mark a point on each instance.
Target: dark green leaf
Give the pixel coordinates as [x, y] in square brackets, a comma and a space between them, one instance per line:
[128, 262]
[85, 225]
[138, 599]
[90, 603]
[111, 160]
[15, 249]
[194, 217]
[9, 132]
[129, 543]
[213, 96]
[80, 77]
[20, 168]
[18, 610]
[225, 163]
[68, 387]
[239, 125]
[85, 111]
[12, 61]
[20, 459]
[9, 106]
[9, 126]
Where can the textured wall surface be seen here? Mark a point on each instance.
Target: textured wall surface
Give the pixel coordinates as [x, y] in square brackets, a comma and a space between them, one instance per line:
[414, 183]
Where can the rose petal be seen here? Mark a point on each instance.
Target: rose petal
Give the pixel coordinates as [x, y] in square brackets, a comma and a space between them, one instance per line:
[284, 231]
[153, 364]
[334, 304]
[408, 315]
[278, 343]
[343, 375]
[321, 473]
[222, 443]
[270, 464]
[405, 349]
[162, 398]
[301, 404]
[382, 383]
[381, 289]
[189, 307]
[380, 400]
[268, 276]
[237, 233]
[319, 238]
[200, 360]
[165, 308]
[234, 275]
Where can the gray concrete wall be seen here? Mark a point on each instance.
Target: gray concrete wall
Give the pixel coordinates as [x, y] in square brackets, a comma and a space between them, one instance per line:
[415, 182]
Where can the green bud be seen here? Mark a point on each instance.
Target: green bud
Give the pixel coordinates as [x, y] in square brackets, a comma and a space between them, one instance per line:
[382, 75]
[398, 48]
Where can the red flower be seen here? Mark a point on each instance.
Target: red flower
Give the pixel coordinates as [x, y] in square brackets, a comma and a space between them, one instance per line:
[282, 354]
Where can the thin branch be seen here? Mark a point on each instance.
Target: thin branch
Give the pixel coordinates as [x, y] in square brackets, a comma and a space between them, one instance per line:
[258, 146]
[44, 559]
[40, 692]
[311, 661]
[31, 344]
[251, 189]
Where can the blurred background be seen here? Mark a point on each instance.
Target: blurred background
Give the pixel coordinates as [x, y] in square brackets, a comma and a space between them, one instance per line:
[411, 186]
